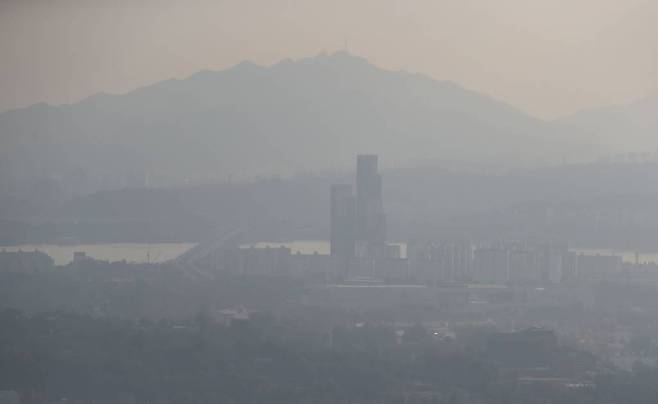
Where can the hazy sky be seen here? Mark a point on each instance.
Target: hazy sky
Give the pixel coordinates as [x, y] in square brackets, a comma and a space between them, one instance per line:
[549, 57]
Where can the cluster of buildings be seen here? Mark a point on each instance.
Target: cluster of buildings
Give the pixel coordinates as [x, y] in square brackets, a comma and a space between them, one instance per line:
[434, 264]
[360, 254]
[23, 262]
[363, 268]
[509, 262]
[359, 251]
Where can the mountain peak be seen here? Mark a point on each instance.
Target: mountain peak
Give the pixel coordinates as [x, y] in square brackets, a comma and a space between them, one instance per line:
[339, 58]
[345, 56]
[246, 65]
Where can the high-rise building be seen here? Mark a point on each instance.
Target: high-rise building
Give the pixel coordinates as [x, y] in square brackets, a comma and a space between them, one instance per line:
[343, 207]
[358, 224]
[370, 219]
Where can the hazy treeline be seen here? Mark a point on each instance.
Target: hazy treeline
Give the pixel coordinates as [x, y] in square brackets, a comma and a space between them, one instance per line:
[57, 355]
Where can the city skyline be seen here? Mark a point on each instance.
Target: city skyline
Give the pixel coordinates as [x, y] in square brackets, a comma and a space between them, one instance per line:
[329, 201]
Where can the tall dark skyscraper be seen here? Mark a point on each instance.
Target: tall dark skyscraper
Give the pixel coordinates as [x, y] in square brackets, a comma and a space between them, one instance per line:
[370, 219]
[358, 225]
[343, 237]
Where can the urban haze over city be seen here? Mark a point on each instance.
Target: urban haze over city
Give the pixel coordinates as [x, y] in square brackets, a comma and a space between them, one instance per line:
[284, 201]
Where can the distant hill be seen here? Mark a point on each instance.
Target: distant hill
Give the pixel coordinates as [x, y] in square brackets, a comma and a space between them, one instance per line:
[630, 128]
[596, 205]
[296, 116]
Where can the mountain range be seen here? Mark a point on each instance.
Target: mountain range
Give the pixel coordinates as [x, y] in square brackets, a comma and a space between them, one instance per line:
[299, 116]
